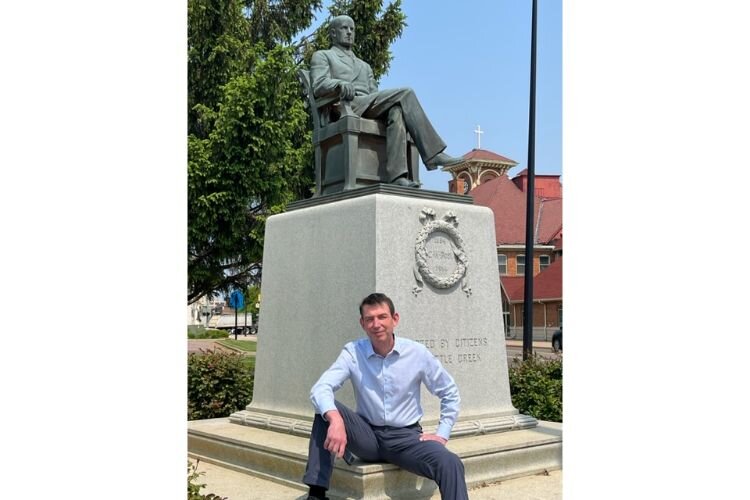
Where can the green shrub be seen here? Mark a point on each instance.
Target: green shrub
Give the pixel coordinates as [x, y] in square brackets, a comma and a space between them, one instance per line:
[217, 334]
[207, 334]
[195, 330]
[219, 383]
[536, 387]
[194, 488]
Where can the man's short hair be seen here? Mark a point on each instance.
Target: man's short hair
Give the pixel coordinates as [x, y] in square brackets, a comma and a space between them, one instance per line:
[377, 299]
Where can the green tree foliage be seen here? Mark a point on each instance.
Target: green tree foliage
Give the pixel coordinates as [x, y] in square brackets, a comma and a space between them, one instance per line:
[279, 21]
[252, 297]
[536, 387]
[375, 32]
[249, 135]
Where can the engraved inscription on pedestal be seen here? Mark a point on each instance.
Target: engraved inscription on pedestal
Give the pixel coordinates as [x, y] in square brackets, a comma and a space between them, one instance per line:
[440, 259]
[457, 350]
[440, 255]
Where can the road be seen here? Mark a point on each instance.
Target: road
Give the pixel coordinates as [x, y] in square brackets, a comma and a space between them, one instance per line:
[515, 351]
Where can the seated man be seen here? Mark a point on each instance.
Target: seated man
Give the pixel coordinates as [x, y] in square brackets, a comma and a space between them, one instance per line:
[386, 373]
[338, 71]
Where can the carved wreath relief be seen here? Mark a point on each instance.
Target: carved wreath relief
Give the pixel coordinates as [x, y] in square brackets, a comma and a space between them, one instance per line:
[440, 257]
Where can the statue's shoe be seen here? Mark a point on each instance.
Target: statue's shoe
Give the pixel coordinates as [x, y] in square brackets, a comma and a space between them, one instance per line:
[441, 159]
[403, 181]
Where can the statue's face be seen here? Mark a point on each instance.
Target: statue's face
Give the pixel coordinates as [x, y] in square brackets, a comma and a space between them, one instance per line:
[343, 33]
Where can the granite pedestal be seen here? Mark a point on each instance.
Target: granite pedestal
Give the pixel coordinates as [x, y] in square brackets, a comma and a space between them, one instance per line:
[281, 458]
[434, 255]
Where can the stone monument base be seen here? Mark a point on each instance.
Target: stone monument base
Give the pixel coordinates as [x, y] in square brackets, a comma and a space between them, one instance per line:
[282, 458]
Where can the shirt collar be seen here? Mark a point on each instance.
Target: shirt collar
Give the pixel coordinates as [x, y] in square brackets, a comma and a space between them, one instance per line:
[397, 346]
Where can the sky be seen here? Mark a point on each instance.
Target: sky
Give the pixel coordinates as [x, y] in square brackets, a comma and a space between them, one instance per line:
[471, 66]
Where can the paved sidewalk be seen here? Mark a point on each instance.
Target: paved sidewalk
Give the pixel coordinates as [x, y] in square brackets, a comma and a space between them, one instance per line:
[195, 345]
[239, 486]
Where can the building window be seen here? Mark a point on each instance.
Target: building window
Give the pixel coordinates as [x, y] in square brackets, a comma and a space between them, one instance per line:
[559, 316]
[520, 264]
[543, 262]
[502, 263]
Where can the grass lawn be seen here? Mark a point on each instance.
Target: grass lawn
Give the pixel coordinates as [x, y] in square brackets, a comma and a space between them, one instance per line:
[242, 345]
[249, 361]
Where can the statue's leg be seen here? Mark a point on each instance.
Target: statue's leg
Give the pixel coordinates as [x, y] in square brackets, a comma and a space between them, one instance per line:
[395, 142]
[425, 137]
[421, 130]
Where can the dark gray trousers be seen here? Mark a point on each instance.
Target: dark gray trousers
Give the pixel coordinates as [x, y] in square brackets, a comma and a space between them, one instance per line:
[399, 446]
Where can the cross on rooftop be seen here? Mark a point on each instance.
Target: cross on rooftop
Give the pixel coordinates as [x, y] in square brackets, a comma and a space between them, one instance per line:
[479, 139]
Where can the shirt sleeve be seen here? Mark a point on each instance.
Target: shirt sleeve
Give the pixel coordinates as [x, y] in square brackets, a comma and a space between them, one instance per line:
[332, 379]
[440, 383]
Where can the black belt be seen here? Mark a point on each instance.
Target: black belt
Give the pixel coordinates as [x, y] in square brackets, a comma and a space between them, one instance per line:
[412, 426]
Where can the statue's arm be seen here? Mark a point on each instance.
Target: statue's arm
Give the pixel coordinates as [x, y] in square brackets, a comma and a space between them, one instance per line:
[371, 80]
[320, 76]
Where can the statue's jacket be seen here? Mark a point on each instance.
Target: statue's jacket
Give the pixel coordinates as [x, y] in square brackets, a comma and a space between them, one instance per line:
[330, 67]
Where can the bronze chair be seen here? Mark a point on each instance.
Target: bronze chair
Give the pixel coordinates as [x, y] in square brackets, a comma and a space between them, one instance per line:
[350, 151]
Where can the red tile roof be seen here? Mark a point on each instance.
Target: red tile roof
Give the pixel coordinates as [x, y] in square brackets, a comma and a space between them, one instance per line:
[559, 241]
[547, 284]
[513, 287]
[508, 203]
[550, 223]
[483, 154]
[525, 172]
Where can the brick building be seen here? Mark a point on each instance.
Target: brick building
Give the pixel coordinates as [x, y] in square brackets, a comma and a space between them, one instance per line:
[483, 175]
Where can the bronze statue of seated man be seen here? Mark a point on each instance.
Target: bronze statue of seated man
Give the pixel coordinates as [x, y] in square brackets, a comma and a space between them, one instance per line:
[338, 72]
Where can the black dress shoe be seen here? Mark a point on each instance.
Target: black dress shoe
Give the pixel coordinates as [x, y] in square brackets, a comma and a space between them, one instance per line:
[441, 159]
[310, 497]
[403, 181]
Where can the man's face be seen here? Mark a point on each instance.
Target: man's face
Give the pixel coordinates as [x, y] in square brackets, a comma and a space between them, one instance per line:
[343, 33]
[378, 322]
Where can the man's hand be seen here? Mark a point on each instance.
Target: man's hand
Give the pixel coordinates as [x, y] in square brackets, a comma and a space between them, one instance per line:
[346, 91]
[433, 437]
[336, 438]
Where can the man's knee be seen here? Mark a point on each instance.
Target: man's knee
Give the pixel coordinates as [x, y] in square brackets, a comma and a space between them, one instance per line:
[450, 462]
[342, 408]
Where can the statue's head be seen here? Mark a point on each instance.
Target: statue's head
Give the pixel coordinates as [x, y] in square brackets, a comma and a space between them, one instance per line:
[342, 31]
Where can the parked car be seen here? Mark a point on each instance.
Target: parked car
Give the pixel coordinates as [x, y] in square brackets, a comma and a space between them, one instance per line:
[557, 340]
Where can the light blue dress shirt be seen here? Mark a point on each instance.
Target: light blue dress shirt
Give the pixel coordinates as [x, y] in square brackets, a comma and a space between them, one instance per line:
[387, 389]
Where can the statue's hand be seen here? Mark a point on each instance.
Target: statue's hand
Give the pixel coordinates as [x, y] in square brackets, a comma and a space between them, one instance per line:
[346, 91]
